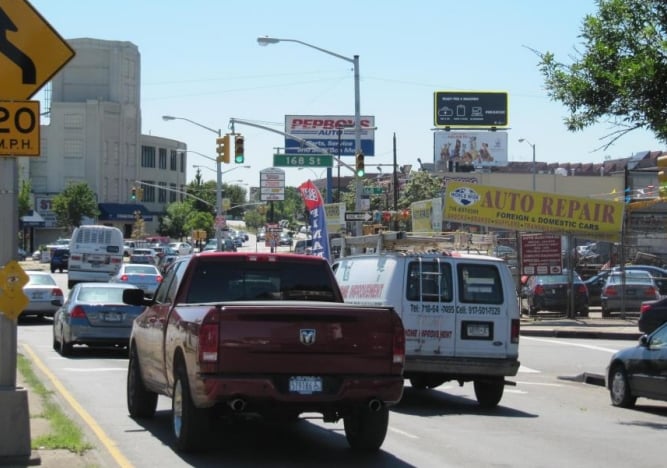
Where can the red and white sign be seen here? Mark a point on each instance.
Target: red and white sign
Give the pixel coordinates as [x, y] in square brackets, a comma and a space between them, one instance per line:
[541, 254]
[271, 184]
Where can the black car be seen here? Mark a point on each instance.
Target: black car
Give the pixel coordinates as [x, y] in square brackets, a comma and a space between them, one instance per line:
[552, 293]
[640, 371]
[594, 284]
[59, 260]
[652, 315]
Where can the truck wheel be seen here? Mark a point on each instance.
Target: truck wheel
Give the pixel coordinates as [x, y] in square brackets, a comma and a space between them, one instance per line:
[366, 429]
[188, 421]
[489, 393]
[619, 389]
[141, 403]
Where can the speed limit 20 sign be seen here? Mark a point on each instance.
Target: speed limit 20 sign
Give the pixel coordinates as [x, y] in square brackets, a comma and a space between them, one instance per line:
[19, 128]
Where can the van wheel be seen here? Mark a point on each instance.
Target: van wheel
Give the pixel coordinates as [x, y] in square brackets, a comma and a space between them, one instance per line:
[141, 403]
[189, 422]
[365, 429]
[489, 393]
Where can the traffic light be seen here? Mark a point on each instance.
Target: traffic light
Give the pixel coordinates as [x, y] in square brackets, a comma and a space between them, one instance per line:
[662, 176]
[238, 149]
[223, 149]
[360, 170]
[133, 194]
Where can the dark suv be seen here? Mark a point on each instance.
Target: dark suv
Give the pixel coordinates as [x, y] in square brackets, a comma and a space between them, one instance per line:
[59, 260]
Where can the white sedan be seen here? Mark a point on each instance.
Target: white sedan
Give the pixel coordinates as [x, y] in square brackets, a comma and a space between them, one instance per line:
[183, 248]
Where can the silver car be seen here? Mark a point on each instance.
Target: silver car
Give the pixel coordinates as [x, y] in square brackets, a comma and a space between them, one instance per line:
[43, 293]
[94, 314]
[637, 287]
[146, 277]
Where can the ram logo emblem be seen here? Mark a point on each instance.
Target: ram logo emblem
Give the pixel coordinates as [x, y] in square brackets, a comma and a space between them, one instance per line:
[307, 336]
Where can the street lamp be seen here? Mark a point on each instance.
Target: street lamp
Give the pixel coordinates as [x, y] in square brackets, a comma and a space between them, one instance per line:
[263, 41]
[521, 140]
[218, 183]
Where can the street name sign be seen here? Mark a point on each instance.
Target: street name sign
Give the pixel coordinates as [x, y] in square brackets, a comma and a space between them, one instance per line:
[358, 216]
[303, 160]
[19, 128]
[373, 191]
[31, 51]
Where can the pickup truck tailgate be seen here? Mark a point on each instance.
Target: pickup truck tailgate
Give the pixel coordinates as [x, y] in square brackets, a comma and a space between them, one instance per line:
[306, 338]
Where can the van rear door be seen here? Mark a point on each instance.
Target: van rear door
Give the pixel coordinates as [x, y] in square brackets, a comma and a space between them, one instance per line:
[483, 320]
[428, 311]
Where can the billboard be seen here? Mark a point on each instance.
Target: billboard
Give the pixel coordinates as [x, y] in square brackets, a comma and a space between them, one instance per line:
[533, 211]
[471, 109]
[332, 133]
[477, 148]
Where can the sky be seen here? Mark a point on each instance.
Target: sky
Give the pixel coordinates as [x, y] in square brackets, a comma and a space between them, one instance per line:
[200, 60]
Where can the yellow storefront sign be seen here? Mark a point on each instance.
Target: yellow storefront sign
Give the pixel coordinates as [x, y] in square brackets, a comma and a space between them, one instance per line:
[533, 211]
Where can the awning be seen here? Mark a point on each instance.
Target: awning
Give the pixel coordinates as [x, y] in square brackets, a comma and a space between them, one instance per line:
[122, 211]
[32, 220]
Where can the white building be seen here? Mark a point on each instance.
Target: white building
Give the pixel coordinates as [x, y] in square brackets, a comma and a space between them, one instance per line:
[94, 136]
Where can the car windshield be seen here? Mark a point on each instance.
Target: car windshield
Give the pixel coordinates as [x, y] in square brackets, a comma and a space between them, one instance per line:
[631, 277]
[41, 280]
[140, 270]
[103, 295]
[557, 279]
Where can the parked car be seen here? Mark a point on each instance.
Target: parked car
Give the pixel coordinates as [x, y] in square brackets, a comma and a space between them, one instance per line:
[659, 275]
[629, 293]
[94, 314]
[146, 277]
[181, 248]
[43, 293]
[261, 235]
[37, 255]
[552, 293]
[21, 254]
[303, 246]
[285, 239]
[227, 245]
[639, 371]
[594, 284]
[652, 314]
[145, 256]
[59, 260]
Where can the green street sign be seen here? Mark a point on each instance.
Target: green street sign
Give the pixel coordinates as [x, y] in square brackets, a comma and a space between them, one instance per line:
[373, 191]
[302, 160]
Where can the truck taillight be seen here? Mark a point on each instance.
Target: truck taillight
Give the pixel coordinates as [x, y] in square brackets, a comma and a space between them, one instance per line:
[516, 328]
[398, 348]
[208, 342]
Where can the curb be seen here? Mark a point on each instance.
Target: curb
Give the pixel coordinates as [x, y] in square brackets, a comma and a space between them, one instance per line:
[587, 334]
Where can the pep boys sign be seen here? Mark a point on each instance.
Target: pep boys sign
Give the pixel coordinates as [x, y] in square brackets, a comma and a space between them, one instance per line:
[323, 131]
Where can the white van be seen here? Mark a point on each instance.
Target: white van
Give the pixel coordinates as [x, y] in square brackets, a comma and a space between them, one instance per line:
[460, 312]
[96, 254]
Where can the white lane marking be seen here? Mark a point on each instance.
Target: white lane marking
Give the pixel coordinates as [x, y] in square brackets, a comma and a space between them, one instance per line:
[569, 343]
[542, 384]
[528, 370]
[98, 369]
[403, 433]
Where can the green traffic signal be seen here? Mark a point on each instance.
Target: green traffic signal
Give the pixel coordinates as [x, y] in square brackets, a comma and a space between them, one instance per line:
[360, 169]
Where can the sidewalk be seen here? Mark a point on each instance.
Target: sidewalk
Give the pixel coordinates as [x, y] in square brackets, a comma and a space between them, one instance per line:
[582, 327]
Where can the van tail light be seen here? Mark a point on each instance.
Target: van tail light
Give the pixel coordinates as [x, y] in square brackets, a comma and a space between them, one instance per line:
[398, 344]
[78, 312]
[209, 338]
[539, 290]
[516, 328]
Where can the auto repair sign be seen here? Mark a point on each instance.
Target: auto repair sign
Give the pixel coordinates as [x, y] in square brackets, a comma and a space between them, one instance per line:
[334, 134]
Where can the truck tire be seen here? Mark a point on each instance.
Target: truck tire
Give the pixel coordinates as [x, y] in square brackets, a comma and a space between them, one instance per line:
[365, 429]
[141, 403]
[489, 393]
[188, 421]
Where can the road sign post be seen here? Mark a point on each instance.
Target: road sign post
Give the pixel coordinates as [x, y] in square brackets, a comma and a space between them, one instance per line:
[31, 52]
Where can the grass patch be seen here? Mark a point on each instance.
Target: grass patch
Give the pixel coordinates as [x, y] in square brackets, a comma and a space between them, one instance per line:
[65, 433]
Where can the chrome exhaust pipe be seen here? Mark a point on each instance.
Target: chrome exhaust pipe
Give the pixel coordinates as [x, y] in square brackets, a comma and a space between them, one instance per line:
[237, 404]
[375, 405]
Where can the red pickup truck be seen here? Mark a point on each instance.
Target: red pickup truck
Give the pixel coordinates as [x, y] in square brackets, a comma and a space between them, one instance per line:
[239, 334]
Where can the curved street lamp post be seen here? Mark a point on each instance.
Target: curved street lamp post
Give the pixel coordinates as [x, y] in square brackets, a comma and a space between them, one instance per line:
[263, 41]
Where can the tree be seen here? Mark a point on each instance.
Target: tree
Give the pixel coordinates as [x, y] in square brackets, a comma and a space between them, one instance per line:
[420, 186]
[173, 224]
[24, 204]
[73, 204]
[621, 73]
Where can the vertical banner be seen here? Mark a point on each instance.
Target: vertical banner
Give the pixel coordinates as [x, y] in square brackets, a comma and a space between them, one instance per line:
[318, 220]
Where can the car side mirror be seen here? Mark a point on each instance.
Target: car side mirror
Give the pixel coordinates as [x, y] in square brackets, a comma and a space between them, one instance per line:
[644, 341]
[135, 297]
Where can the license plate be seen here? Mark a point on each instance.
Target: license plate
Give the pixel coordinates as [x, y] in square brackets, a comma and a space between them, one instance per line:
[478, 330]
[305, 385]
[113, 317]
[38, 295]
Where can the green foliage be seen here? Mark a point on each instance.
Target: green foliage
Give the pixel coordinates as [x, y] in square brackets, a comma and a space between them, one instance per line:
[420, 186]
[173, 224]
[621, 72]
[73, 204]
[24, 198]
